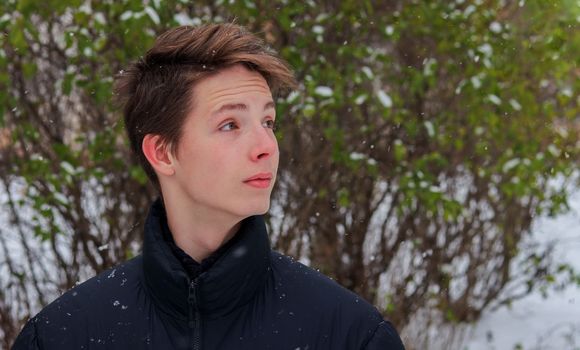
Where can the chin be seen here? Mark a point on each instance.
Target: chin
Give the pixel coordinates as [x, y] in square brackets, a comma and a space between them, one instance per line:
[257, 209]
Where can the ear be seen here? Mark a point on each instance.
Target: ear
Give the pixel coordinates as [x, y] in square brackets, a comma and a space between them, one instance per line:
[159, 155]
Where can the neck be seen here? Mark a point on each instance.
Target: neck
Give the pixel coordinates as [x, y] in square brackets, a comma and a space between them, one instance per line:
[198, 232]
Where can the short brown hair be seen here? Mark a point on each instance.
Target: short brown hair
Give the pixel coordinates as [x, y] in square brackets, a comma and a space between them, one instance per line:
[156, 90]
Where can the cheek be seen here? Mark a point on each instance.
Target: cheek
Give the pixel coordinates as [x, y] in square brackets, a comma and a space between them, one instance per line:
[215, 164]
[206, 175]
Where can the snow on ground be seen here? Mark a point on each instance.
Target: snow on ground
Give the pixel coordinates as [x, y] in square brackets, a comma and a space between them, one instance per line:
[534, 322]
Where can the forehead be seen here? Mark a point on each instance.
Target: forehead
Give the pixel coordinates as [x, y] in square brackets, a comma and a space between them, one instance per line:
[231, 83]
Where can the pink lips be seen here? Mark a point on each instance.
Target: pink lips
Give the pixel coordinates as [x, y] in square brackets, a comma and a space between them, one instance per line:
[261, 180]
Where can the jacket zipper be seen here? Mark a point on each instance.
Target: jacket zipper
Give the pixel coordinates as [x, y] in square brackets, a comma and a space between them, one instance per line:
[194, 315]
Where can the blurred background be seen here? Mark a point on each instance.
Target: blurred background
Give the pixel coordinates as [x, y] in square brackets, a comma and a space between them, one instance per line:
[429, 158]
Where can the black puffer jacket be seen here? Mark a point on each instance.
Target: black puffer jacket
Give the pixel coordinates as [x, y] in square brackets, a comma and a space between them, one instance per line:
[250, 298]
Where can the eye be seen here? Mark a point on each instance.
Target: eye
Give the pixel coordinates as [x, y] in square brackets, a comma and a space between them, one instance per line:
[229, 126]
[270, 124]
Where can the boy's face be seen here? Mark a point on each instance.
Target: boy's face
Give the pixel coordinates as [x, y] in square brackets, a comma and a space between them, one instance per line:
[227, 157]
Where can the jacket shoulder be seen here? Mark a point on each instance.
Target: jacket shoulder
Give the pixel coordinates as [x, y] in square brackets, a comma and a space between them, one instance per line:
[73, 316]
[329, 306]
[107, 287]
[320, 289]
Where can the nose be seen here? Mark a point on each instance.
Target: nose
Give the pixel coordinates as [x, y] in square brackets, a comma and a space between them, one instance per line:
[264, 144]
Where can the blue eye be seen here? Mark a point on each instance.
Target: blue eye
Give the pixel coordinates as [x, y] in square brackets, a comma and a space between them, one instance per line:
[229, 126]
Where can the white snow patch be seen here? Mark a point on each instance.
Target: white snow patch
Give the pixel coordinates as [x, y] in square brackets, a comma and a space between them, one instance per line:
[126, 15]
[104, 247]
[152, 14]
[292, 97]
[494, 99]
[361, 99]
[515, 105]
[485, 49]
[459, 87]
[67, 167]
[567, 91]
[318, 29]
[60, 197]
[357, 156]
[535, 322]
[100, 18]
[555, 151]
[469, 10]
[368, 72]
[428, 65]
[476, 82]
[430, 128]
[323, 91]
[385, 99]
[510, 164]
[495, 27]
[184, 20]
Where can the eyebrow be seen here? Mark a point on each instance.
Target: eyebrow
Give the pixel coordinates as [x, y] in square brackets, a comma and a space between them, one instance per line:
[240, 107]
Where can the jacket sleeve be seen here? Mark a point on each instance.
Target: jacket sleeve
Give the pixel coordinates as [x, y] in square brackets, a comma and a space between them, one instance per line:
[385, 337]
[27, 339]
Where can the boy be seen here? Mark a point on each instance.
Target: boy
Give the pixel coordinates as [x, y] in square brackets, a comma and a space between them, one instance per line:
[199, 114]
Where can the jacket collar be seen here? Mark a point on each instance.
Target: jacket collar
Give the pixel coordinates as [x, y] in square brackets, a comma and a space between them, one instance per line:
[230, 283]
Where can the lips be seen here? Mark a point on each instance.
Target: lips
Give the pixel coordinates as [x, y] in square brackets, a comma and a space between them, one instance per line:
[261, 180]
